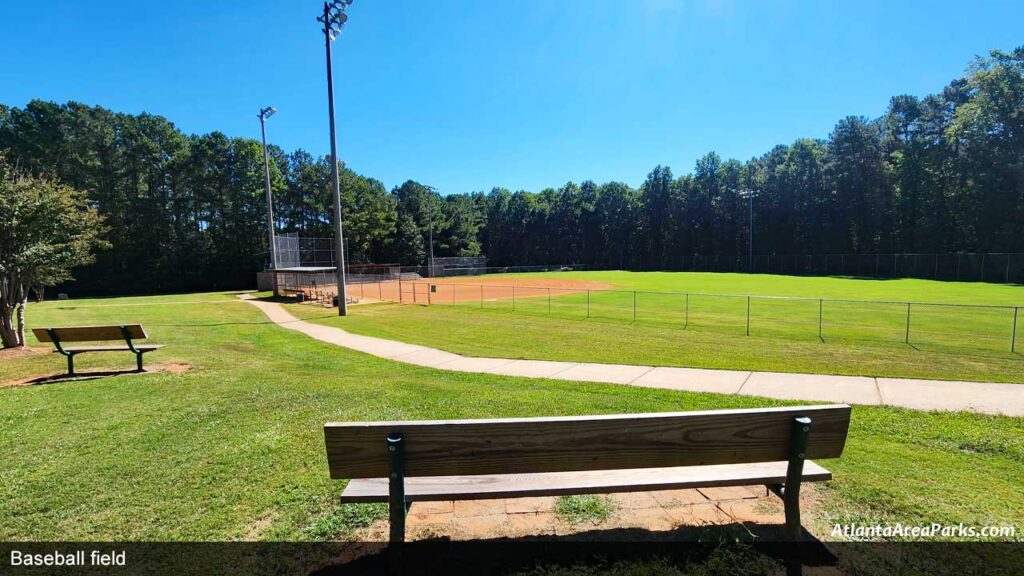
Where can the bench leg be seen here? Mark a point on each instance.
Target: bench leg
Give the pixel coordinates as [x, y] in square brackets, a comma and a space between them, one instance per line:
[396, 488]
[138, 361]
[71, 364]
[794, 475]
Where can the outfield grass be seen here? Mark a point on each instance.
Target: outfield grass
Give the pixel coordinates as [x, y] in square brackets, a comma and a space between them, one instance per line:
[700, 320]
[233, 448]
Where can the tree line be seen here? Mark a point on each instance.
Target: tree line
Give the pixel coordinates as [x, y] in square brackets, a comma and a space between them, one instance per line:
[942, 173]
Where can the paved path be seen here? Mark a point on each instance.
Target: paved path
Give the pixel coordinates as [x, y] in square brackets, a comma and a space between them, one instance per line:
[983, 397]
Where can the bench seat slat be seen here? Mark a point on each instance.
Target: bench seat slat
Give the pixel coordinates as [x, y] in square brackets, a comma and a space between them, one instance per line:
[567, 443]
[433, 488]
[91, 333]
[122, 348]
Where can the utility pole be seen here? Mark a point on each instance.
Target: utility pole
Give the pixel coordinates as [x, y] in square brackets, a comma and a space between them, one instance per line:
[264, 114]
[334, 19]
[430, 226]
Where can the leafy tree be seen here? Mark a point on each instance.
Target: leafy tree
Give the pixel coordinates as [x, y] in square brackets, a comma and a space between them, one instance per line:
[942, 172]
[47, 230]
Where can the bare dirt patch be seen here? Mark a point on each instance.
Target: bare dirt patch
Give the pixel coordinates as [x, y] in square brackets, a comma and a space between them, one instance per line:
[20, 352]
[470, 289]
[95, 373]
[259, 527]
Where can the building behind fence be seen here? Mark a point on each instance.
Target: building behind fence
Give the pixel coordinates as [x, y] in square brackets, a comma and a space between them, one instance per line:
[472, 265]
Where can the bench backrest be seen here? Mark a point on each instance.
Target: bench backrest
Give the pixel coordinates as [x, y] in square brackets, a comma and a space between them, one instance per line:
[525, 445]
[90, 333]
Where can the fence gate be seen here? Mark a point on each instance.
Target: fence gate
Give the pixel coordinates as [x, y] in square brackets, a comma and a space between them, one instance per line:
[414, 293]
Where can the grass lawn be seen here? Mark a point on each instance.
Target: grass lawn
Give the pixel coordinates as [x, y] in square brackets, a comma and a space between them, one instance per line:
[233, 448]
[856, 338]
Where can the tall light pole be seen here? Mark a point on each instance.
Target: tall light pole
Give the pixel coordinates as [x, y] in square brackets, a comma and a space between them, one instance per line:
[264, 114]
[750, 195]
[334, 19]
[430, 227]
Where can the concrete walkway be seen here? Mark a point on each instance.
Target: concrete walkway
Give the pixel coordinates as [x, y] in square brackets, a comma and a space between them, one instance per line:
[982, 397]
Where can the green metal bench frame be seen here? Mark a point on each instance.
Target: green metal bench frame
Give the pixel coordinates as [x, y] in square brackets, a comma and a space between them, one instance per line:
[52, 332]
[789, 492]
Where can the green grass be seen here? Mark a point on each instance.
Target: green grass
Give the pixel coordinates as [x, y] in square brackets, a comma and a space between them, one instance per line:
[858, 337]
[587, 508]
[233, 448]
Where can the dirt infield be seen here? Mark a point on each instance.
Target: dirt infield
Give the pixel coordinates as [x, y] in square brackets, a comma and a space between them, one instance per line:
[469, 289]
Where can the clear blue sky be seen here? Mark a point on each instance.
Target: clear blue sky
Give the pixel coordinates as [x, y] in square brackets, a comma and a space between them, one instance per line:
[467, 95]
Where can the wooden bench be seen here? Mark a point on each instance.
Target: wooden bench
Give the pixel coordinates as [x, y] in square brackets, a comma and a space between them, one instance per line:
[405, 462]
[127, 333]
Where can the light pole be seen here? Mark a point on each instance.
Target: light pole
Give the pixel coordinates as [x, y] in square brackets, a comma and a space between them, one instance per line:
[334, 19]
[430, 227]
[264, 114]
[750, 195]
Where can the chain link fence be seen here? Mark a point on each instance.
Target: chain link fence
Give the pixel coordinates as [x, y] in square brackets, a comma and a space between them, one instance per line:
[969, 267]
[952, 326]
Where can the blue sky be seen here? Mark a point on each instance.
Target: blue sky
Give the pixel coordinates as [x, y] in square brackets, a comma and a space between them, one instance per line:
[467, 95]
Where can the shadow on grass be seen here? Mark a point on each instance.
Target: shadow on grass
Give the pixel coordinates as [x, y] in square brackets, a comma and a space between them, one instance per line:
[82, 376]
[79, 376]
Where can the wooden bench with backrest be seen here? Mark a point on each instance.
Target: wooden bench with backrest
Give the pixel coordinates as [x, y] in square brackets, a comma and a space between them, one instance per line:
[127, 333]
[405, 462]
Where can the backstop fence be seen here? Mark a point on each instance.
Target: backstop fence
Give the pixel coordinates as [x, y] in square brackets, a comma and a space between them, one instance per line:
[996, 267]
[952, 326]
[294, 251]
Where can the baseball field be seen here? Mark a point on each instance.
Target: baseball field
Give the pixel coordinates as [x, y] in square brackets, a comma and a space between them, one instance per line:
[851, 326]
[222, 437]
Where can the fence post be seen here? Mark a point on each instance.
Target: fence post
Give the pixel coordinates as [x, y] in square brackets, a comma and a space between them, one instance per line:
[1008, 268]
[906, 340]
[401, 300]
[481, 295]
[513, 297]
[453, 295]
[936, 275]
[1013, 338]
[821, 306]
[748, 315]
[588, 302]
[686, 322]
[634, 305]
[549, 300]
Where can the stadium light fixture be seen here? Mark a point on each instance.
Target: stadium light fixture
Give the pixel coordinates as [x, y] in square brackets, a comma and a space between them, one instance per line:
[264, 114]
[750, 195]
[333, 20]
